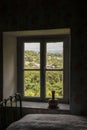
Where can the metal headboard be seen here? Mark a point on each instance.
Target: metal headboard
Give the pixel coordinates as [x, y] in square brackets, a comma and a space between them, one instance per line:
[10, 110]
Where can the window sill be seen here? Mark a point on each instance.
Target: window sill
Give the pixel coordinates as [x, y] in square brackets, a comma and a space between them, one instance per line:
[39, 107]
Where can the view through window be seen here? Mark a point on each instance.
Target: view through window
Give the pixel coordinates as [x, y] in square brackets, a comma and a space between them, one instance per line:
[53, 69]
[32, 69]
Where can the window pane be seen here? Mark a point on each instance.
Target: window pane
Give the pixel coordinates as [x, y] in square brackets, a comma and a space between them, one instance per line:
[54, 56]
[32, 83]
[54, 81]
[31, 55]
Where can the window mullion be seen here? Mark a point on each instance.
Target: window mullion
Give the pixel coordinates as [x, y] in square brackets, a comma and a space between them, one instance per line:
[43, 62]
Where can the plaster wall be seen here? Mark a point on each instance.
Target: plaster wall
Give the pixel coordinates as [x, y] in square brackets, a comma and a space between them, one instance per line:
[9, 66]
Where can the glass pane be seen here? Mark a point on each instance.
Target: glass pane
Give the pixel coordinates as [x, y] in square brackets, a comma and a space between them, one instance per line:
[54, 81]
[32, 83]
[54, 56]
[31, 55]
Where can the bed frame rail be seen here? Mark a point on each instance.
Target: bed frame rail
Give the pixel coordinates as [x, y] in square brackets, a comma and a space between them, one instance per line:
[10, 110]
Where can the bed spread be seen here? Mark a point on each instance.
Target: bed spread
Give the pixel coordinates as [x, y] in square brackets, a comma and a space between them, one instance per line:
[50, 122]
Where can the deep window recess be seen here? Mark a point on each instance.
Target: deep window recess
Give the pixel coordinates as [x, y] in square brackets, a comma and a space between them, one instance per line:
[43, 66]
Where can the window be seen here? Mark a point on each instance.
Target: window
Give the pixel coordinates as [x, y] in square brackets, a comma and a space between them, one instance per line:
[43, 66]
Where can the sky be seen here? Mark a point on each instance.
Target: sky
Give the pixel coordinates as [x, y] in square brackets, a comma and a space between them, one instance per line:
[57, 46]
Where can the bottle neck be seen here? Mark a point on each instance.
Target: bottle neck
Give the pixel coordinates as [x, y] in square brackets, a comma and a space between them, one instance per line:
[53, 95]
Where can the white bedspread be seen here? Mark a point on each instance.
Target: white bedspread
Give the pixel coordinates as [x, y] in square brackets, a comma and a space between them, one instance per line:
[50, 122]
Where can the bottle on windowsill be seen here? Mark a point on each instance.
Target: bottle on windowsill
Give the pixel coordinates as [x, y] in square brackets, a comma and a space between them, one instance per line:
[53, 103]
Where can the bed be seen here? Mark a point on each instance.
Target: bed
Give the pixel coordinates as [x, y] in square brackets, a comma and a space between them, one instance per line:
[10, 110]
[38, 121]
[50, 122]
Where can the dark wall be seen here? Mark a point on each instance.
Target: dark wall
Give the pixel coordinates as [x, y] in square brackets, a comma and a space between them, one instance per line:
[79, 59]
[48, 14]
[35, 14]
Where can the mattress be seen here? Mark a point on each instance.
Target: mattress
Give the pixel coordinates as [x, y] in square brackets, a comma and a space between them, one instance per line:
[50, 122]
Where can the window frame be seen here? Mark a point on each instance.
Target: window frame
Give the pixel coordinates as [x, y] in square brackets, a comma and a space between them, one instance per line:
[20, 62]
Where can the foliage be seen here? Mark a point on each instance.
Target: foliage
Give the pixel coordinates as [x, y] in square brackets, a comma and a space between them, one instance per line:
[54, 79]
